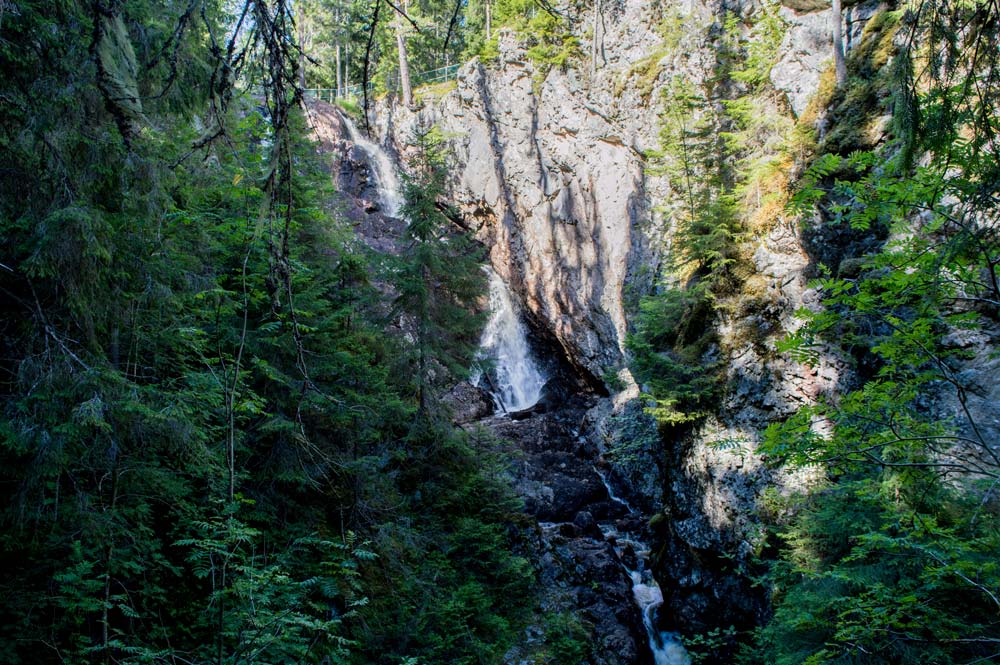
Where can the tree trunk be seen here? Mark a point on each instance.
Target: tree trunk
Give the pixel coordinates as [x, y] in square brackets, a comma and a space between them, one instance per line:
[109, 557]
[340, 76]
[338, 59]
[595, 45]
[302, 50]
[404, 65]
[489, 20]
[838, 43]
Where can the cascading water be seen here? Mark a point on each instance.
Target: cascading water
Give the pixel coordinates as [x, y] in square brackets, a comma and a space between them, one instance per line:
[513, 377]
[666, 647]
[390, 190]
[516, 383]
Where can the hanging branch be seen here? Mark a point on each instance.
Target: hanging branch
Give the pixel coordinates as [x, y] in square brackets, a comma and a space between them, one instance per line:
[175, 41]
[227, 67]
[406, 16]
[283, 94]
[451, 27]
[549, 9]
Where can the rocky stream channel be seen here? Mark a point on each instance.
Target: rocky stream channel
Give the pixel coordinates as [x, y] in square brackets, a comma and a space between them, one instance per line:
[588, 543]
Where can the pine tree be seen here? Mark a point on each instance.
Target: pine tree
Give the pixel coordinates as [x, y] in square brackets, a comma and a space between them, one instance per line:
[440, 279]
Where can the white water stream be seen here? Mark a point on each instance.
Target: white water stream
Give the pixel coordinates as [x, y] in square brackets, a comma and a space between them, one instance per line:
[390, 189]
[512, 375]
[666, 646]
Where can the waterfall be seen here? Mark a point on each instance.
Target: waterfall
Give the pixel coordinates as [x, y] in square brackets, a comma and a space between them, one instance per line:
[511, 374]
[666, 647]
[390, 190]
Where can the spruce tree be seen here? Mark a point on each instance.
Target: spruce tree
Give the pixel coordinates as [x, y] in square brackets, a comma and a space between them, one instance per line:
[440, 280]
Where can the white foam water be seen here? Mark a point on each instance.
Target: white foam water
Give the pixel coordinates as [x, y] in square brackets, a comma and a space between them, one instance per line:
[666, 646]
[513, 376]
[387, 182]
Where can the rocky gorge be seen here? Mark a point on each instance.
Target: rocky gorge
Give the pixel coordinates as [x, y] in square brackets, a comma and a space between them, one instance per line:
[500, 332]
[554, 171]
[551, 171]
[553, 179]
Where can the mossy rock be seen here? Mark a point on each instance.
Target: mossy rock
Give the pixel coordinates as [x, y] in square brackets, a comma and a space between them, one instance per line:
[806, 6]
[851, 267]
[856, 105]
[433, 92]
[810, 6]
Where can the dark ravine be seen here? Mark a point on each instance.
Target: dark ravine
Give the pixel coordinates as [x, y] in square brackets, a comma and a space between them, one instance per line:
[579, 571]
[586, 541]
[736, 399]
[551, 167]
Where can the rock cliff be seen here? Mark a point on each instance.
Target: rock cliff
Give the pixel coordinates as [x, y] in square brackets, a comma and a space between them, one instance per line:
[553, 171]
[556, 190]
[551, 166]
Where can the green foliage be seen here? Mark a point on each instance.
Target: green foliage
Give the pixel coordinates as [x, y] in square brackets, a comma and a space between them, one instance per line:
[448, 569]
[566, 640]
[867, 577]
[702, 646]
[669, 348]
[852, 110]
[439, 278]
[893, 560]
[633, 436]
[260, 611]
[767, 31]
[712, 154]
[547, 34]
[199, 400]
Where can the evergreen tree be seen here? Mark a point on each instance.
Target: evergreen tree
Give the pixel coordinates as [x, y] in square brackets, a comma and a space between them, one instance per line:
[199, 406]
[440, 280]
[893, 558]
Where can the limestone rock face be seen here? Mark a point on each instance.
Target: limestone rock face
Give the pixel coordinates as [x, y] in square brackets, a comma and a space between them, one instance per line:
[551, 171]
[806, 50]
[556, 195]
[551, 168]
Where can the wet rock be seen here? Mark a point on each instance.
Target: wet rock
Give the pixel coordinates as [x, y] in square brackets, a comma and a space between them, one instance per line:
[593, 583]
[558, 493]
[468, 403]
[554, 395]
[587, 525]
[579, 571]
[523, 414]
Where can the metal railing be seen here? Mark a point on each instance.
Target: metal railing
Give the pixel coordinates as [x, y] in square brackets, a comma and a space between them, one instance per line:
[439, 75]
[429, 77]
[332, 94]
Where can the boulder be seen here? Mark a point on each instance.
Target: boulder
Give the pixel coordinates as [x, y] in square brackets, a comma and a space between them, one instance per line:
[468, 403]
